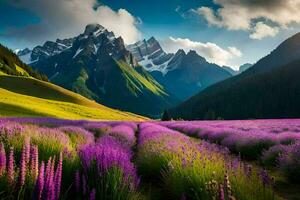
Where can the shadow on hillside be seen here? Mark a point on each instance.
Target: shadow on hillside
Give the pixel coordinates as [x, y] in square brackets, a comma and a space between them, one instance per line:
[18, 111]
[33, 87]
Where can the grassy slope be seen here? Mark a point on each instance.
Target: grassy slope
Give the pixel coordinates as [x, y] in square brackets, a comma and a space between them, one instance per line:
[138, 81]
[21, 96]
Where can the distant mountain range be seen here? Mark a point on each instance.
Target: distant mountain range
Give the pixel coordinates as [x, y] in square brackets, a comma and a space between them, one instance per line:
[269, 89]
[182, 74]
[242, 68]
[140, 78]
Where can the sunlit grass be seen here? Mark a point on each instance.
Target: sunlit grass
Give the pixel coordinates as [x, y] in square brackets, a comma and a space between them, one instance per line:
[70, 106]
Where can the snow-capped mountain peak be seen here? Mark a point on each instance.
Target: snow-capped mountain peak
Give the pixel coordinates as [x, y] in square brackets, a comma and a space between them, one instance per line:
[93, 29]
[150, 55]
[93, 36]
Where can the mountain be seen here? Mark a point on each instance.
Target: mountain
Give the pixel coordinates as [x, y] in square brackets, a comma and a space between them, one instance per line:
[242, 68]
[269, 89]
[287, 51]
[231, 70]
[10, 64]
[182, 74]
[151, 55]
[189, 74]
[48, 49]
[97, 65]
[23, 94]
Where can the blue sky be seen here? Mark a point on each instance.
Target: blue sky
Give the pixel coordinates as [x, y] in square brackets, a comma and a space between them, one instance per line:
[226, 39]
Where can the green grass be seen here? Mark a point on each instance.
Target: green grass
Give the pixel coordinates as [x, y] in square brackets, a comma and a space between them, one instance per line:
[138, 82]
[22, 71]
[21, 96]
[2, 73]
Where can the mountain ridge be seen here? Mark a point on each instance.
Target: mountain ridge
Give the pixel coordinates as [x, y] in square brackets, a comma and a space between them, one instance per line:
[248, 94]
[98, 66]
[182, 74]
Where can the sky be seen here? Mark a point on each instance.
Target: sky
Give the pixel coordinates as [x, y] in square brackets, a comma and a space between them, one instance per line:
[225, 32]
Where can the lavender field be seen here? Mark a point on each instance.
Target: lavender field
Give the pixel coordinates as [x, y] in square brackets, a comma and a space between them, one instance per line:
[44, 158]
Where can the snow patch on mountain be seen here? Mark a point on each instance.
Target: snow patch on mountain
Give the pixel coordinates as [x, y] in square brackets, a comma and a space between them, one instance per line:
[77, 52]
[95, 49]
[151, 56]
[26, 58]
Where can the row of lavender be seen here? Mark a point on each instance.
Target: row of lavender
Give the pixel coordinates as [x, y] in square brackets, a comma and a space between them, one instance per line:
[272, 142]
[193, 169]
[94, 160]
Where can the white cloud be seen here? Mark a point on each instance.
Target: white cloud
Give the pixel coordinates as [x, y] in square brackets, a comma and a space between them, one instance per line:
[68, 18]
[262, 30]
[210, 51]
[247, 14]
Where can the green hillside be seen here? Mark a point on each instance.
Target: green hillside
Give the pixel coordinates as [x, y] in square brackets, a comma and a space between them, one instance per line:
[266, 95]
[12, 65]
[22, 96]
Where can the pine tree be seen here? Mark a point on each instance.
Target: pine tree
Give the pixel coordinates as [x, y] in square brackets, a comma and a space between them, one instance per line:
[165, 116]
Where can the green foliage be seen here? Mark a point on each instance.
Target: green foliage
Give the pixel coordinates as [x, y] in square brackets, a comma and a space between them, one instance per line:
[12, 65]
[166, 116]
[271, 94]
[138, 81]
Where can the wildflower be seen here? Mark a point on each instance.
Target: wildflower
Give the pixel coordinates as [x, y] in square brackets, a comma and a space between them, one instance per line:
[22, 167]
[77, 181]
[221, 192]
[58, 176]
[39, 186]
[27, 149]
[10, 167]
[2, 159]
[93, 194]
[34, 162]
[48, 192]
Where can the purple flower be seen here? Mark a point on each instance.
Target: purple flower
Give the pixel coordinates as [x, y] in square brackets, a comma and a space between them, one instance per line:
[27, 149]
[10, 167]
[221, 192]
[125, 134]
[82, 136]
[266, 179]
[270, 157]
[34, 163]
[48, 192]
[39, 186]
[77, 181]
[2, 159]
[58, 176]
[289, 162]
[93, 194]
[109, 153]
[22, 173]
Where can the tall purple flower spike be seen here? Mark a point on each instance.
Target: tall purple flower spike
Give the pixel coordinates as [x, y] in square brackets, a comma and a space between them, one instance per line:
[58, 177]
[2, 159]
[22, 173]
[10, 167]
[39, 186]
[34, 162]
